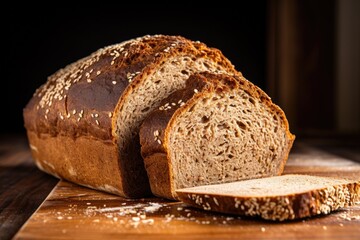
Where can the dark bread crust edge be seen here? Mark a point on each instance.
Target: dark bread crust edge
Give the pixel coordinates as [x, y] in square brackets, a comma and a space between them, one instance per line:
[92, 104]
[163, 120]
[277, 208]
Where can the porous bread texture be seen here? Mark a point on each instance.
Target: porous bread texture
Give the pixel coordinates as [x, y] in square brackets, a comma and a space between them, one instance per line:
[82, 124]
[279, 198]
[221, 129]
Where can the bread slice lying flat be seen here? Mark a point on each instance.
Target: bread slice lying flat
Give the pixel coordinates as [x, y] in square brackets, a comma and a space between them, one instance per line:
[219, 128]
[83, 123]
[276, 198]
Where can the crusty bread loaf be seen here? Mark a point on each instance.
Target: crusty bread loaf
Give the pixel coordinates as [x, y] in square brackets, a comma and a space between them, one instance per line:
[275, 198]
[83, 123]
[220, 128]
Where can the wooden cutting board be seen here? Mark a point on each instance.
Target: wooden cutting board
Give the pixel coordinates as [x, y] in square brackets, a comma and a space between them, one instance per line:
[74, 212]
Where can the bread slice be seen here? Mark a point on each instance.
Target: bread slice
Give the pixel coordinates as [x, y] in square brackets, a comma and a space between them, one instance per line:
[277, 198]
[220, 128]
[83, 123]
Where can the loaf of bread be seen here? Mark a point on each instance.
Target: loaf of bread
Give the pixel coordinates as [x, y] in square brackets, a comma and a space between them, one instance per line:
[275, 198]
[83, 123]
[220, 128]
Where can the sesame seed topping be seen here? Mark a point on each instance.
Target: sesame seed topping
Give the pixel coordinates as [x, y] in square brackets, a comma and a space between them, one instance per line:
[110, 114]
[216, 201]
[92, 115]
[97, 122]
[78, 119]
[159, 141]
[114, 82]
[88, 80]
[263, 229]
[196, 91]
[46, 117]
[74, 112]
[174, 104]
[112, 62]
[98, 72]
[96, 115]
[126, 53]
[68, 115]
[156, 133]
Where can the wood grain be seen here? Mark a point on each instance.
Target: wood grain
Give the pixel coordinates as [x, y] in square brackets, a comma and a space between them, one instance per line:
[23, 187]
[74, 212]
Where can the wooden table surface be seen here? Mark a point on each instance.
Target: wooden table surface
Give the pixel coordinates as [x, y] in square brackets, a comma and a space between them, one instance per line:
[34, 205]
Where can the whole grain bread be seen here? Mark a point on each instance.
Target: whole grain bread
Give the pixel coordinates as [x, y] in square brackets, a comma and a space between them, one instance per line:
[220, 128]
[277, 198]
[82, 124]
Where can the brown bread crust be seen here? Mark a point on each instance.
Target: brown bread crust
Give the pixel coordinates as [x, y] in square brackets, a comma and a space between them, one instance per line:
[76, 109]
[278, 208]
[155, 153]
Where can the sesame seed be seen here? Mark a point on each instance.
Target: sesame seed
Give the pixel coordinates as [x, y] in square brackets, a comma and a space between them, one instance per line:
[47, 111]
[263, 229]
[98, 72]
[61, 117]
[216, 201]
[92, 115]
[96, 115]
[88, 80]
[82, 112]
[114, 82]
[78, 119]
[196, 91]
[46, 117]
[74, 112]
[110, 114]
[179, 101]
[159, 141]
[174, 104]
[156, 133]
[126, 53]
[68, 115]
[324, 227]
[97, 122]
[112, 62]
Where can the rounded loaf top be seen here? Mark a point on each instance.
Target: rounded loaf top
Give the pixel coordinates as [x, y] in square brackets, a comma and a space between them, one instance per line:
[80, 99]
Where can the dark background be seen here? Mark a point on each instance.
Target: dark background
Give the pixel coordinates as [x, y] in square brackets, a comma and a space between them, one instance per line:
[37, 43]
[288, 48]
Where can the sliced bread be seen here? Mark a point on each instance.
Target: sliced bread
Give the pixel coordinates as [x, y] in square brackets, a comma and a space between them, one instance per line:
[83, 123]
[275, 198]
[219, 128]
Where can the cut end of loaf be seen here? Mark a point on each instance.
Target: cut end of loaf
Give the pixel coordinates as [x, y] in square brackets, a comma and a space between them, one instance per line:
[278, 198]
[228, 131]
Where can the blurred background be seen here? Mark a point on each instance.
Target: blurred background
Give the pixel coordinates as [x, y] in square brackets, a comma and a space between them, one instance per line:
[304, 54]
